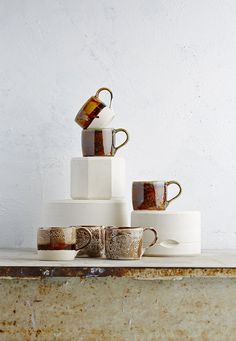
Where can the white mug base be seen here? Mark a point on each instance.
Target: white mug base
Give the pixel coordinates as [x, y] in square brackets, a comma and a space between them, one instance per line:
[59, 255]
[105, 116]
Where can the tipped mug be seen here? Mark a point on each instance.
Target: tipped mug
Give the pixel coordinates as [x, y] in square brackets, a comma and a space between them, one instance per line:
[152, 195]
[101, 142]
[94, 113]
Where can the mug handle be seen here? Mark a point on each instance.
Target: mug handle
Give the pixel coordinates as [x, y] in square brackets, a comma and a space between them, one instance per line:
[154, 240]
[177, 195]
[115, 131]
[105, 89]
[89, 235]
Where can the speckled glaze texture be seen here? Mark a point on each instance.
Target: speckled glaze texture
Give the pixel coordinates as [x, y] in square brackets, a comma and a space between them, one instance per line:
[56, 238]
[97, 244]
[101, 142]
[125, 242]
[152, 195]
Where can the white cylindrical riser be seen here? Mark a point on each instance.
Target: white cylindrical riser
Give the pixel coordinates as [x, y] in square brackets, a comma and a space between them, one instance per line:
[179, 233]
[86, 212]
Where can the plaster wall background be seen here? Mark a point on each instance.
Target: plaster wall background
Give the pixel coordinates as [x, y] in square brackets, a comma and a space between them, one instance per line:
[171, 66]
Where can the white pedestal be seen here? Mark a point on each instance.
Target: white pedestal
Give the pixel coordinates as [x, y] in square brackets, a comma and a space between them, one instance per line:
[86, 212]
[97, 178]
[179, 233]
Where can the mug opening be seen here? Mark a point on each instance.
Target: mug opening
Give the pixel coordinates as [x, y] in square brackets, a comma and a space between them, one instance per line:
[53, 227]
[87, 226]
[148, 181]
[125, 227]
[98, 129]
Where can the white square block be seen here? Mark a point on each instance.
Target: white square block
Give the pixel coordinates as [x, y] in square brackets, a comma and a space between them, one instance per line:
[97, 178]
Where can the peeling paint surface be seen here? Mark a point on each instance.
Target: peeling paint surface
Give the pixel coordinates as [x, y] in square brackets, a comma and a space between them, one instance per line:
[118, 309]
[135, 273]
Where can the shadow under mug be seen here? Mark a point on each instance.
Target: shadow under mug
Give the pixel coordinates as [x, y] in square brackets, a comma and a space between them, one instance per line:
[152, 195]
[126, 242]
[60, 243]
[94, 113]
[101, 142]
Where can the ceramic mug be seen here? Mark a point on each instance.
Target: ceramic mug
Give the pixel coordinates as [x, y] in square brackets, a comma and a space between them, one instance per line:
[101, 142]
[126, 242]
[97, 244]
[152, 195]
[94, 113]
[59, 243]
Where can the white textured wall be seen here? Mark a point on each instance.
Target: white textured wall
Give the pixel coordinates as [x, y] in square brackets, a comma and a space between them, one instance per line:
[172, 67]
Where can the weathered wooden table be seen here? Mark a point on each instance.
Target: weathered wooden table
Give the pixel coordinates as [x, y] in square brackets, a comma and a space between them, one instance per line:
[174, 298]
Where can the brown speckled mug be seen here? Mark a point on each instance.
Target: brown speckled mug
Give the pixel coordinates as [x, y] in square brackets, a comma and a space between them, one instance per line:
[97, 244]
[152, 195]
[101, 142]
[94, 113]
[126, 242]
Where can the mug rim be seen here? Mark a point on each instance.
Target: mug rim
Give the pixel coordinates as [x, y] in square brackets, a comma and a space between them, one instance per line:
[46, 228]
[87, 226]
[99, 129]
[151, 181]
[124, 227]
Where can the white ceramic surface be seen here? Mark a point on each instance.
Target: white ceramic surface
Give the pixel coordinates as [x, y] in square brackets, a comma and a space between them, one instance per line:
[179, 233]
[86, 212]
[59, 255]
[97, 177]
[105, 116]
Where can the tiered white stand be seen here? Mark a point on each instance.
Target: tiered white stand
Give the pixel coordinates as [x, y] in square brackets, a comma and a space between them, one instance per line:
[179, 232]
[97, 191]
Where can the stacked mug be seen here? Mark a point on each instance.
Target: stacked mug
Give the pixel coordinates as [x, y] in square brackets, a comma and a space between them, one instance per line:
[97, 138]
[94, 221]
[179, 232]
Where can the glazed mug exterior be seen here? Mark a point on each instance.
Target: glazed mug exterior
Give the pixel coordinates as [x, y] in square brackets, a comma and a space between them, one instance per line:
[101, 142]
[152, 195]
[59, 243]
[97, 244]
[94, 113]
[126, 242]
